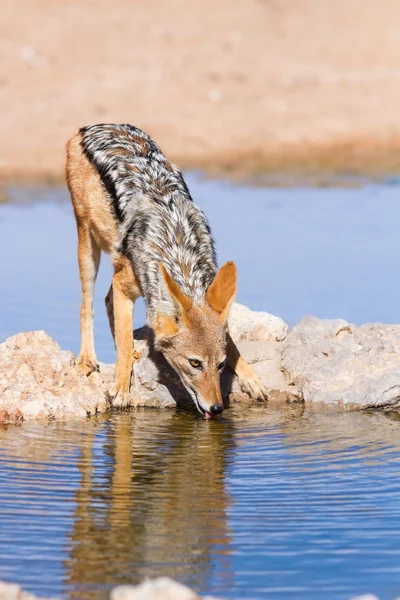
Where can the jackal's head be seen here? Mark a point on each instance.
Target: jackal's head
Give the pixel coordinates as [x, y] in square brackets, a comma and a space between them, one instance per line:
[192, 337]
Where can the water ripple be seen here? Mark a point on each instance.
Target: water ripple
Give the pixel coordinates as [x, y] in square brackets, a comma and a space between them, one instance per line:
[266, 503]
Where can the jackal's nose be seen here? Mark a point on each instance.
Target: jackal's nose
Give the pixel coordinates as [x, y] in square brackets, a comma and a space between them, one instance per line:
[216, 409]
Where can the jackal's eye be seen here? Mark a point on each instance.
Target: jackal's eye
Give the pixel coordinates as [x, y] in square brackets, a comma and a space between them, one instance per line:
[196, 364]
[221, 365]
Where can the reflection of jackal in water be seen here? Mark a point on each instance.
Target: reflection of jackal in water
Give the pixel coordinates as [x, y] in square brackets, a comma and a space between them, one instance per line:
[131, 202]
[152, 501]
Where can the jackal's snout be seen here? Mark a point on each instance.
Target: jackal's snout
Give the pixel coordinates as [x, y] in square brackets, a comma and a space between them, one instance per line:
[216, 409]
[206, 393]
[210, 410]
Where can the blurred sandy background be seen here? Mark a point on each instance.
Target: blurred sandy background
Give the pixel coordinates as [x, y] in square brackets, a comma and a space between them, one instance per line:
[240, 85]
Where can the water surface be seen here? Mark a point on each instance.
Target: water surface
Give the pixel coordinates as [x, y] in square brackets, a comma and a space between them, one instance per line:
[265, 503]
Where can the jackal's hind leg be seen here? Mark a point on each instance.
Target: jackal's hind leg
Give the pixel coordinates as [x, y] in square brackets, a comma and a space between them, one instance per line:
[88, 260]
[109, 302]
[249, 381]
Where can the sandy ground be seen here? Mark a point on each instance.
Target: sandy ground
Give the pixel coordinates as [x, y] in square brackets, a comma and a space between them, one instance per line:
[243, 85]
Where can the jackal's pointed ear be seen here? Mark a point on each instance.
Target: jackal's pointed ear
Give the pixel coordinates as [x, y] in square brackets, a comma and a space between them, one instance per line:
[173, 305]
[222, 290]
[175, 291]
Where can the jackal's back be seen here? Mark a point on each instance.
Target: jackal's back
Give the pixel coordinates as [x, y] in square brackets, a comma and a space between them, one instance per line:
[156, 216]
[130, 162]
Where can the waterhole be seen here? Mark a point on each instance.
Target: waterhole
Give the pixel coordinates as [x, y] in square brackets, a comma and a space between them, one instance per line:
[264, 503]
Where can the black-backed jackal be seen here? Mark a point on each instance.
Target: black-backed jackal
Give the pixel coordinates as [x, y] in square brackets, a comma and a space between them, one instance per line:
[132, 203]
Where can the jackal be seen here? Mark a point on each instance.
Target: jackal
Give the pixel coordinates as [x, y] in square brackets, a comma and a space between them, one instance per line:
[132, 203]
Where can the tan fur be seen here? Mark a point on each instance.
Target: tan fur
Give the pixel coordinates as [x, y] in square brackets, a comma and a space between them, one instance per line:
[97, 230]
[91, 205]
[198, 334]
[222, 291]
[209, 387]
[125, 290]
[184, 301]
[164, 325]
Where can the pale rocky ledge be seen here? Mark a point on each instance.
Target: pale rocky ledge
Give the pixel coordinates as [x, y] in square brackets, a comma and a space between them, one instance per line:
[162, 588]
[318, 362]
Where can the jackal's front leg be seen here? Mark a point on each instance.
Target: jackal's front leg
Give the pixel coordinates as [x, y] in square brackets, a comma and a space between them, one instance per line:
[249, 381]
[120, 311]
[123, 309]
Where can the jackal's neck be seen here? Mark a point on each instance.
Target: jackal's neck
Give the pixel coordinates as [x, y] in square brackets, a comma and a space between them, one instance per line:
[176, 234]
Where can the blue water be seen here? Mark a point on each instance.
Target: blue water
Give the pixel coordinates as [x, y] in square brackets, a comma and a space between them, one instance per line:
[267, 503]
[327, 252]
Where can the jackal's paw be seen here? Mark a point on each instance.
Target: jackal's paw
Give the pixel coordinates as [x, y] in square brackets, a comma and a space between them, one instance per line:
[87, 364]
[120, 397]
[254, 387]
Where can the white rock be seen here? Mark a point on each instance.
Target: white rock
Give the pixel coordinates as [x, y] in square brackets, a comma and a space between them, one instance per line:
[38, 381]
[251, 325]
[9, 591]
[366, 597]
[336, 363]
[265, 358]
[331, 362]
[162, 588]
[12, 591]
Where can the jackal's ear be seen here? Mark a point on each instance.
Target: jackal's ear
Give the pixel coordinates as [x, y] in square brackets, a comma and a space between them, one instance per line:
[164, 327]
[173, 302]
[222, 290]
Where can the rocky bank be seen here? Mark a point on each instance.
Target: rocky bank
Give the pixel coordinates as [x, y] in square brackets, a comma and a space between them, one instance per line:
[162, 588]
[318, 362]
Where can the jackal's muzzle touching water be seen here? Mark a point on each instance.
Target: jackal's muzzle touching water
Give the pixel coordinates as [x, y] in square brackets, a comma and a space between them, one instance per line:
[131, 202]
